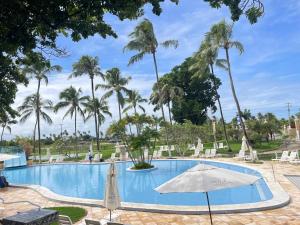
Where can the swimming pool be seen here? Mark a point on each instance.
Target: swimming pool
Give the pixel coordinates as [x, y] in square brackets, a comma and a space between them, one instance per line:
[88, 181]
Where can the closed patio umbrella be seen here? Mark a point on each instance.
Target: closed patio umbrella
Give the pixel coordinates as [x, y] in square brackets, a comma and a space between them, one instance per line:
[112, 199]
[205, 178]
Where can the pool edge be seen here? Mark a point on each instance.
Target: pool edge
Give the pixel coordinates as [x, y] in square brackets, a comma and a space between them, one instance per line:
[280, 199]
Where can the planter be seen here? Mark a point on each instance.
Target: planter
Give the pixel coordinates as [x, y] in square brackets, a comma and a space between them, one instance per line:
[140, 170]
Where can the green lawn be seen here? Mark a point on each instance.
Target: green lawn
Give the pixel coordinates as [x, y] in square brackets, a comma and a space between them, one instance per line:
[75, 213]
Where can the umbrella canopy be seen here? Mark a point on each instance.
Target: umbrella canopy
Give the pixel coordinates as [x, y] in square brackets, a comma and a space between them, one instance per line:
[112, 199]
[206, 178]
[91, 148]
[4, 157]
[244, 144]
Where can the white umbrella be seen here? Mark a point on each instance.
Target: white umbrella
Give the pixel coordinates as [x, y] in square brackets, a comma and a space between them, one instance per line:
[91, 148]
[244, 144]
[206, 178]
[4, 157]
[112, 199]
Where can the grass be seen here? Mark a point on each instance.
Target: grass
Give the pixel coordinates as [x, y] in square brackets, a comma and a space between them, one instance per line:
[75, 213]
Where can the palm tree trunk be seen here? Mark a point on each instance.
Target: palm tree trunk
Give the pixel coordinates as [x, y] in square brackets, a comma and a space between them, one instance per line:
[120, 116]
[2, 133]
[95, 115]
[220, 108]
[76, 143]
[137, 126]
[34, 132]
[237, 102]
[170, 116]
[38, 119]
[157, 78]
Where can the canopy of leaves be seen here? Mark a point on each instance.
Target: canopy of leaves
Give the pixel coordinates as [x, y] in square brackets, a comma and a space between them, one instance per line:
[198, 93]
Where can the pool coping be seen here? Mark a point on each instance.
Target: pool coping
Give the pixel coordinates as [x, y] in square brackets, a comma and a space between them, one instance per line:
[280, 198]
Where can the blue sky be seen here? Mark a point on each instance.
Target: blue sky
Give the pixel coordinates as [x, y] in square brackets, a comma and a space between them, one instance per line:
[266, 75]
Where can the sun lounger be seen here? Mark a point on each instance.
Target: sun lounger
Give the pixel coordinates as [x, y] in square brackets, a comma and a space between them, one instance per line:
[97, 157]
[252, 157]
[284, 157]
[51, 160]
[213, 153]
[293, 156]
[207, 153]
[60, 159]
[113, 156]
[172, 148]
[64, 220]
[196, 153]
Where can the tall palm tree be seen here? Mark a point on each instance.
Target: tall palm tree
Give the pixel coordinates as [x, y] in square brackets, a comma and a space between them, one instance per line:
[168, 94]
[89, 66]
[39, 69]
[34, 105]
[143, 41]
[220, 36]
[5, 122]
[70, 97]
[207, 56]
[134, 101]
[102, 110]
[115, 83]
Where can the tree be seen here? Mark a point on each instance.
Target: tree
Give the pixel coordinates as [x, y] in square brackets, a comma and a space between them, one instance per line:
[90, 66]
[102, 110]
[38, 67]
[134, 101]
[5, 122]
[220, 36]
[39, 23]
[205, 58]
[71, 98]
[167, 94]
[198, 93]
[143, 41]
[115, 83]
[32, 105]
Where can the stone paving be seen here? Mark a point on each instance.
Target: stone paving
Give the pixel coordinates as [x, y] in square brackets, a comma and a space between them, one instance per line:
[289, 214]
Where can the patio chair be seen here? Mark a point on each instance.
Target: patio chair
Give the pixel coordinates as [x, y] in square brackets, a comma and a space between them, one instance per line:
[92, 222]
[86, 157]
[293, 156]
[213, 153]
[51, 159]
[252, 157]
[113, 156]
[64, 220]
[60, 159]
[196, 153]
[284, 157]
[161, 148]
[221, 145]
[97, 157]
[241, 155]
[154, 156]
[207, 153]
[172, 148]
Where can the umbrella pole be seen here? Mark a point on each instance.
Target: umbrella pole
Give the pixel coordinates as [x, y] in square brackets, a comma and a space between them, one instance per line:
[209, 208]
[110, 215]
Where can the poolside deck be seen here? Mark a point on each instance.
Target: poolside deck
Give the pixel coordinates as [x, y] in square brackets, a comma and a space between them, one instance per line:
[289, 214]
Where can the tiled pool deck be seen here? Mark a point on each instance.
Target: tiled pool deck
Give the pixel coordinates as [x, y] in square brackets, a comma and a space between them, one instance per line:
[289, 214]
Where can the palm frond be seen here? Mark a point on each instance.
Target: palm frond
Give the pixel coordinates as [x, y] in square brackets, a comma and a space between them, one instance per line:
[222, 63]
[170, 43]
[47, 118]
[238, 45]
[136, 58]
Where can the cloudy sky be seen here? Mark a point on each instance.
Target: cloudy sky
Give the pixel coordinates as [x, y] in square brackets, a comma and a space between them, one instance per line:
[266, 75]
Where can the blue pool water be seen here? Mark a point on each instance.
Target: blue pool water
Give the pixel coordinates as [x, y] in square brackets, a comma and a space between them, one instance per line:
[88, 181]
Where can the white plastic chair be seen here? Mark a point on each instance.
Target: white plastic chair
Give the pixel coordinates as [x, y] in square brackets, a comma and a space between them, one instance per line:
[221, 145]
[284, 157]
[213, 153]
[196, 152]
[207, 153]
[241, 155]
[293, 156]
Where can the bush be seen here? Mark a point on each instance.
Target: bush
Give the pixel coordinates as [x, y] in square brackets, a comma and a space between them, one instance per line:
[142, 165]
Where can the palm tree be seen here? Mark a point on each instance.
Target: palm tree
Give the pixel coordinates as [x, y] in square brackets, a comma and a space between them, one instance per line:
[134, 101]
[168, 94]
[39, 69]
[220, 36]
[71, 98]
[90, 66]
[102, 109]
[115, 83]
[5, 122]
[143, 41]
[33, 105]
[207, 55]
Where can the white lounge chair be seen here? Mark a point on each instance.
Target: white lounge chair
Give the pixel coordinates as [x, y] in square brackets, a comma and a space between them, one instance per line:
[86, 158]
[172, 148]
[161, 148]
[97, 157]
[51, 160]
[196, 153]
[113, 156]
[154, 156]
[64, 220]
[241, 155]
[252, 157]
[284, 157]
[213, 153]
[60, 159]
[293, 156]
[221, 145]
[207, 153]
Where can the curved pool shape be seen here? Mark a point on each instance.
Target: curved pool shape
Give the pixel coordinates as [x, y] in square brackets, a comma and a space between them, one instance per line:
[88, 181]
